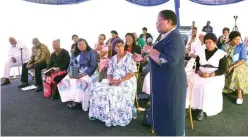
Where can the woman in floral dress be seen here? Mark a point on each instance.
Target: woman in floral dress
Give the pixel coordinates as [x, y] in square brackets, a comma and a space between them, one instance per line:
[237, 71]
[77, 89]
[113, 101]
[102, 50]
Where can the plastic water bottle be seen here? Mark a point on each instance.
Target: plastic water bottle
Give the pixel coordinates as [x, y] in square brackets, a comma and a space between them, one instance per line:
[134, 113]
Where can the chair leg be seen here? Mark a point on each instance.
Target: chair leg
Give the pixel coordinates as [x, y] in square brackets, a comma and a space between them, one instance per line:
[136, 96]
[190, 116]
[137, 102]
[190, 106]
[19, 71]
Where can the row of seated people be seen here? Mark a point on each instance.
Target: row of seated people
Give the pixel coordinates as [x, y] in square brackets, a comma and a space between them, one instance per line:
[111, 100]
[217, 71]
[17, 58]
[81, 89]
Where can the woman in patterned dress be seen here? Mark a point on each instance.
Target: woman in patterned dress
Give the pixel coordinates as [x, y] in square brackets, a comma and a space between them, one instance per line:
[237, 71]
[113, 101]
[78, 90]
[102, 50]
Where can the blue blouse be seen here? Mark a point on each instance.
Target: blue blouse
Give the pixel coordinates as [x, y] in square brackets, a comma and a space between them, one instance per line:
[239, 50]
[86, 62]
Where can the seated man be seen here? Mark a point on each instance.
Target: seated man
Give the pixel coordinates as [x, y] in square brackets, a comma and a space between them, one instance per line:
[196, 47]
[18, 53]
[38, 61]
[193, 43]
[60, 60]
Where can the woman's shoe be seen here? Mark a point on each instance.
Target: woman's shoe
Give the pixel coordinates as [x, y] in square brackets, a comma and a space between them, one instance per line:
[108, 124]
[239, 101]
[69, 104]
[73, 105]
[200, 116]
[92, 118]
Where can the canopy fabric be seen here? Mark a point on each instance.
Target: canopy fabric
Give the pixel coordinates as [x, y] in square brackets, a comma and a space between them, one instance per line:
[177, 6]
[56, 2]
[216, 2]
[148, 2]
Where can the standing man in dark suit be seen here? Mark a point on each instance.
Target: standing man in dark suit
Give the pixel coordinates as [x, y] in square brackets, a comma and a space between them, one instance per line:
[168, 78]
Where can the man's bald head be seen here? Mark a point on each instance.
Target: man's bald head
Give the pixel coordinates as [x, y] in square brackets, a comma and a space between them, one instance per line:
[36, 42]
[12, 41]
[56, 44]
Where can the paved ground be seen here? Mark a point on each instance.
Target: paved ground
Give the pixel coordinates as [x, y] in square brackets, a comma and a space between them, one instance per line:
[30, 114]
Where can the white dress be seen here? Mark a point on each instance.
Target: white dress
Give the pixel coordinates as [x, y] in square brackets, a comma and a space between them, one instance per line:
[207, 92]
[79, 90]
[113, 104]
[146, 84]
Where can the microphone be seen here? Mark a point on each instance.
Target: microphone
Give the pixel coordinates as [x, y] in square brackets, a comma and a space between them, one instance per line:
[149, 41]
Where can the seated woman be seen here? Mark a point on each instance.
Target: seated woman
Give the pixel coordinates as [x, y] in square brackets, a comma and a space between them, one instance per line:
[113, 101]
[130, 45]
[236, 73]
[209, 79]
[77, 89]
[59, 61]
[102, 50]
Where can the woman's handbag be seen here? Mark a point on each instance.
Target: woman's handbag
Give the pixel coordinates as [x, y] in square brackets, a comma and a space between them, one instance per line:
[47, 89]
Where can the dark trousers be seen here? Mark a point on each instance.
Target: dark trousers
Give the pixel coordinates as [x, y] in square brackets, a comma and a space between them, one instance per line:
[103, 75]
[37, 68]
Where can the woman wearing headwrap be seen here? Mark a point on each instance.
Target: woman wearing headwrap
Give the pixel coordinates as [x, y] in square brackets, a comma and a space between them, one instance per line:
[237, 67]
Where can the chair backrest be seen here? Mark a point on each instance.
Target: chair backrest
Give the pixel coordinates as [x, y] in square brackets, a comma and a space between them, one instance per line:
[190, 68]
[190, 64]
